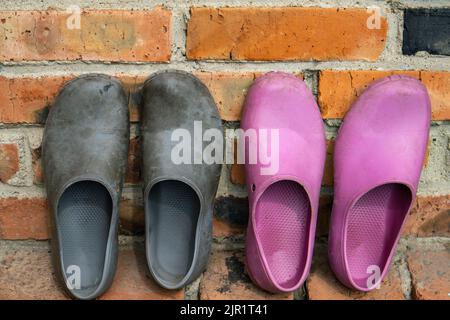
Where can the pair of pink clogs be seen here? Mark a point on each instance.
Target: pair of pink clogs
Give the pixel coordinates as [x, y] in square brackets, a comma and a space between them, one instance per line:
[378, 158]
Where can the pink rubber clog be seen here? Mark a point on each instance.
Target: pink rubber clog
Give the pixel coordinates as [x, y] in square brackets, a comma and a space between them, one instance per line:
[378, 158]
[283, 203]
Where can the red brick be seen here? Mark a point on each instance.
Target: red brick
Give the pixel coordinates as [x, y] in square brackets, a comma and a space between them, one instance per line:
[25, 99]
[27, 274]
[222, 229]
[225, 279]
[9, 161]
[324, 214]
[237, 171]
[104, 35]
[328, 174]
[430, 216]
[132, 86]
[133, 281]
[133, 173]
[229, 90]
[132, 218]
[283, 34]
[36, 155]
[24, 218]
[339, 89]
[323, 285]
[237, 174]
[430, 273]
[438, 85]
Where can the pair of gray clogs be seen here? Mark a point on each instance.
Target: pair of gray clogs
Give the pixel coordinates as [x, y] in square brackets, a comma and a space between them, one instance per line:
[84, 156]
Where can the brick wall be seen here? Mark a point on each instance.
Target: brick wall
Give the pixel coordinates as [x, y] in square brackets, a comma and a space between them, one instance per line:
[227, 44]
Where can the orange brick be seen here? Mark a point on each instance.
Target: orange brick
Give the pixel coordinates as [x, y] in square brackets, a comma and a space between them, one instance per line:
[104, 35]
[283, 34]
[237, 174]
[438, 85]
[26, 99]
[134, 282]
[339, 89]
[225, 279]
[322, 284]
[9, 161]
[229, 90]
[24, 218]
[430, 274]
[430, 216]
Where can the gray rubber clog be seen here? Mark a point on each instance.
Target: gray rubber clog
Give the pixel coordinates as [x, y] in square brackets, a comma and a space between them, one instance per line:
[178, 198]
[85, 150]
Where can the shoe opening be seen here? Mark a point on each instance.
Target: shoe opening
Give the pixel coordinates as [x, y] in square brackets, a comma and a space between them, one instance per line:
[174, 209]
[83, 223]
[373, 224]
[282, 223]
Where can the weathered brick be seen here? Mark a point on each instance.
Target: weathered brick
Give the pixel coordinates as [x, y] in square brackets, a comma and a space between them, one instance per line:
[226, 279]
[430, 274]
[237, 174]
[132, 86]
[339, 89]
[426, 30]
[430, 216]
[27, 273]
[133, 280]
[229, 90]
[230, 216]
[9, 161]
[133, 173]
[26, 99]
[324, 214]
[323, 285]
[104, 35]
[36, 157]
[438, 85]
[223, 229]
[283, 34]
[24, 218]
[132, 218]
[328, 174]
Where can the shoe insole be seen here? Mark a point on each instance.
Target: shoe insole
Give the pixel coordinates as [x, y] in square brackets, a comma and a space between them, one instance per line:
[282, 220]
[84, 218]
[373, 224]
[174, 209]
